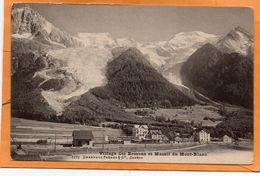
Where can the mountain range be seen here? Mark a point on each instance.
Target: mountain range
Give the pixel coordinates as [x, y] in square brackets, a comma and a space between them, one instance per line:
[59, 76]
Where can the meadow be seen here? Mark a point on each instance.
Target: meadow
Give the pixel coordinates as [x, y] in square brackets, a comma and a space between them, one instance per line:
[196, 113]
[30, 131]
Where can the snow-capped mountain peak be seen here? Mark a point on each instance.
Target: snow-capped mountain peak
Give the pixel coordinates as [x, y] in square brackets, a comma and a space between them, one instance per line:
[127, 42]
[29, 24]
[187, 39]
[97, 40]
[237, 40]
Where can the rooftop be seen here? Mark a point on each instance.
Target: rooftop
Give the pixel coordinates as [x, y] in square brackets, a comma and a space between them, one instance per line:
[140, 126]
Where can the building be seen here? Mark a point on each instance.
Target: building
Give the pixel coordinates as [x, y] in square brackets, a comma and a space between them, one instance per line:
[227, 139]
[184, 138]
[140, 132]
[203, 136]
[126, 140]
[121, 140]
[82, 138]
[177, 140]
[156, 135]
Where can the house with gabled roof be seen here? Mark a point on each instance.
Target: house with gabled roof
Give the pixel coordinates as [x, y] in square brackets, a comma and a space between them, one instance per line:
[82, 138]
[140, 132]
[227, 139]
[156, 135]
[202, 136]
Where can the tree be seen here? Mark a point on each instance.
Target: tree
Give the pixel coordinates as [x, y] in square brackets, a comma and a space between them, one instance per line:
[165, 103]
[128, 130]
[160, 118]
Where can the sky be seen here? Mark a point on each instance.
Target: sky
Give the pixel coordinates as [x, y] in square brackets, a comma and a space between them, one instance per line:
[144, 23]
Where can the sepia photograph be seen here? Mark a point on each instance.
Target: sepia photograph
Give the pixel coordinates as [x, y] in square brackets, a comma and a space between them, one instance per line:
[132, 83]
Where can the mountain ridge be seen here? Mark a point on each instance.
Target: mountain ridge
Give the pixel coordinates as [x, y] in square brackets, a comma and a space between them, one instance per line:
[220, 76]
[133, 81]
[237, 40]
[62, 81]
[29, 24]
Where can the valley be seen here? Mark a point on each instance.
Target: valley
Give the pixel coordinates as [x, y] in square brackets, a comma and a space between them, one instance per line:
[196, 114]
[83, 92]
[31, 134]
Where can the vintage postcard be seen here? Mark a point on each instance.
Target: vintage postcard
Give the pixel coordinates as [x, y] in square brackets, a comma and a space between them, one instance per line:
[134, 85]
[123, 83]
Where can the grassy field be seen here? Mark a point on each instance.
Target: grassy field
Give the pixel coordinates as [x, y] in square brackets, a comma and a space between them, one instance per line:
[29, 131]
[194, 113]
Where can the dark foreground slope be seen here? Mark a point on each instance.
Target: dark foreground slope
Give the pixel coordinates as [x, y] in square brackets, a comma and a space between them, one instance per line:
[27, 100]
[135, 83]
[220, 76]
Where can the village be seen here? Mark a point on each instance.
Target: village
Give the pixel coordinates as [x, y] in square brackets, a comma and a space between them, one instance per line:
[35, 135]
[141, 134]
[192, 128]
[41, 140]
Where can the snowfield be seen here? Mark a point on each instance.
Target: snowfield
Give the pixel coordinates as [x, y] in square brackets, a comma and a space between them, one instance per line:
[97, 40]
[88, 64]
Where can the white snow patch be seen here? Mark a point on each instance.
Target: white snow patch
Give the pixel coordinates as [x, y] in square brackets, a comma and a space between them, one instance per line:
[53, 100]
[127, 42]
[24, 36]
[56, 43]
[174, 79]
[97, 40]
[58, 101]
[185, 40]
[153, 57]
[47, 27]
